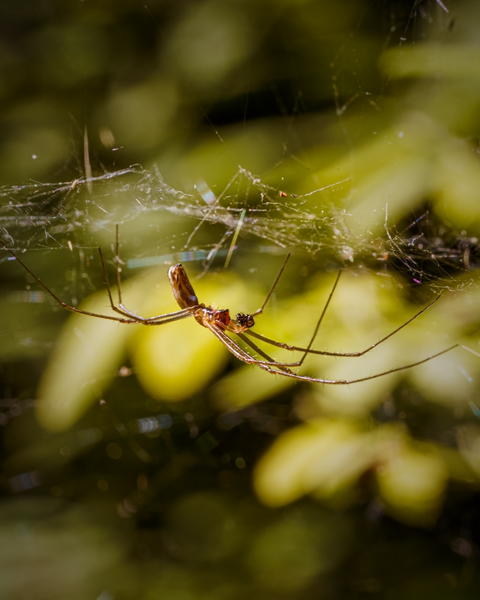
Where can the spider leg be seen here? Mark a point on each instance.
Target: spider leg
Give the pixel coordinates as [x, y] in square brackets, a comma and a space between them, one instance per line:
[231, 346]
[121, 309]
[327, 303]
[129, 319]
[348, 382]
[157, 320]
[118, 309]
[283, 367]
[276, 368]
[269, 365]
[273, 368]
[308, 350]
[277, 279]
[117, 264]
[286, 346]
[60, 302]
[239, 353]
[177, 315]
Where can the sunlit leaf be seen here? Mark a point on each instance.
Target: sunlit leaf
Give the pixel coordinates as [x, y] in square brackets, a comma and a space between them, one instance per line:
[85, 359]
[412, 485]
[307, 458]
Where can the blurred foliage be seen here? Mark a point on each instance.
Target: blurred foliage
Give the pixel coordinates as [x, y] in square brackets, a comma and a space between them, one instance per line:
[129, 454]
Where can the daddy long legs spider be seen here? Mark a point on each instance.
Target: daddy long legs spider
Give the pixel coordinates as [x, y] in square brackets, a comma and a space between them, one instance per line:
[220, 323]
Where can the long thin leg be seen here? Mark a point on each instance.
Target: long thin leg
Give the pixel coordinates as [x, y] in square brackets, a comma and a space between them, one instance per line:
[178, 315]
[122, 311]
[305, 351]
[277, 279]
[157, 320]
[308, 350]
[229, 343]
[238, 352]
[288, 365]
[117, 264]
[57, 299]
[119, 309]
[273, 368]
[283, 367]
[348, 382]
[339, 354]
[107, 283]
[315, 331]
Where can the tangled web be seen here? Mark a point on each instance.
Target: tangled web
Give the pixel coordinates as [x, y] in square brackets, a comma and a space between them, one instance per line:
[70, 214]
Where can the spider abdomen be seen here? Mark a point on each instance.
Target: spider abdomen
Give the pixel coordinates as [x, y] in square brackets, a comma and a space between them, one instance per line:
[181, 287]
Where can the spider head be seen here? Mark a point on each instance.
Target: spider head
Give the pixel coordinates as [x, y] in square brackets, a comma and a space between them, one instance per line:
[244, 320]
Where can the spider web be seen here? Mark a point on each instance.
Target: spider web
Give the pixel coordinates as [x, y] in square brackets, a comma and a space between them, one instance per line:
[67, 214]
[248, 213]
[70, 214]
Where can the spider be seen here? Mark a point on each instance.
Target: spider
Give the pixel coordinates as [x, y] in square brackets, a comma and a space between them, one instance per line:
[221, 324]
